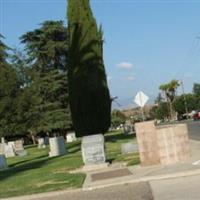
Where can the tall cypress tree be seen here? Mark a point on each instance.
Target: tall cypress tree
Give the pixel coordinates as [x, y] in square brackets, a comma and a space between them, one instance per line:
[88, 91]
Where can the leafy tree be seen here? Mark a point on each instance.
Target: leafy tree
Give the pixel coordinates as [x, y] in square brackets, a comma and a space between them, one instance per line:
[192, 103]
[160, 111]
[196, 89]
[47, 57]
[47, 46]
[88, 91]
[53, 106]
[3, 53]
[169, 90]
[9, 86]
[117, 118]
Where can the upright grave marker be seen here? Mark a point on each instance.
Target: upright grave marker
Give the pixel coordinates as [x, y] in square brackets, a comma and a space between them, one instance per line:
[93, 149]
[57, 146]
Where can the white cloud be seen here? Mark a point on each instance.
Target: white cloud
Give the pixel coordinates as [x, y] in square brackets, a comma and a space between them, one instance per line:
[125, 65]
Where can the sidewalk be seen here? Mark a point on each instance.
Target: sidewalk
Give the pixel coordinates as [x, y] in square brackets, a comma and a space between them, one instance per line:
[138, 174]
[122, 175]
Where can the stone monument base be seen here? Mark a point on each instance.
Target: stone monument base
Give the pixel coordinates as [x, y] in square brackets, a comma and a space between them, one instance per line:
[57, 146]
[94, 167]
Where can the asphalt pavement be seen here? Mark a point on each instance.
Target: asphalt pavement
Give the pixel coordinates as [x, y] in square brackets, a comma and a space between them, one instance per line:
[139, 191]
[183, 188]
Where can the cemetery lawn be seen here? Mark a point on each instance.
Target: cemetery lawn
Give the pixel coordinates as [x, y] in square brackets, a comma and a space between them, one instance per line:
[37, 173]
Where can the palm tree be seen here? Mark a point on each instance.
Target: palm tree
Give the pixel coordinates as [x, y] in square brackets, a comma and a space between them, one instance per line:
[170, 90]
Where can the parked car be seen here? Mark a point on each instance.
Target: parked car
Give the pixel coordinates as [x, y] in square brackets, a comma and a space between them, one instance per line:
[196, 115]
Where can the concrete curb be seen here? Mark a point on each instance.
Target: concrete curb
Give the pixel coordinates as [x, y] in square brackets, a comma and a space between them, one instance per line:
[43, 195]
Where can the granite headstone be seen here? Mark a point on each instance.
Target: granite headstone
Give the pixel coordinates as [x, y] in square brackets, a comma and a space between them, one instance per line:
[93, 149]
[57, 146]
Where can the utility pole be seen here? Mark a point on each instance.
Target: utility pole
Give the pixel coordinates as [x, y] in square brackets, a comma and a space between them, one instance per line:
[185, 101]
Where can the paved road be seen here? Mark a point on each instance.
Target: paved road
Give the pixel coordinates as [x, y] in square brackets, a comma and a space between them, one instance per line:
[194, 130]
[139, 191]
[185, 188]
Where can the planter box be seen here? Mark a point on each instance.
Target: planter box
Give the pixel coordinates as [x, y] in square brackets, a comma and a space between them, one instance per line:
[163, 144]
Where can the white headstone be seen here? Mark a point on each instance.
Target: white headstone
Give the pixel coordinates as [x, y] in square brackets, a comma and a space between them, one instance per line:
[19, 148]
[2, 148]
[18, 145]
[71, 137]
[57, 146]
[3, 140]
[141, 99]
[9, 150]
[93, 149]
[3, 164]
[41, 143]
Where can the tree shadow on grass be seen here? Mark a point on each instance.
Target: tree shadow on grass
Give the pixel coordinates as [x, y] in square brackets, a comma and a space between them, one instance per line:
[26, 161]
[74, 147]
[24, 167]
[115, 138]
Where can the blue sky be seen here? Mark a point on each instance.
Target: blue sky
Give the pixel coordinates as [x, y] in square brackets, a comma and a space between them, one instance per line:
[147, 43]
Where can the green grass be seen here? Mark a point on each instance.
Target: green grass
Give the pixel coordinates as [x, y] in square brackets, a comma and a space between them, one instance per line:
[113, 148]
[37, 173]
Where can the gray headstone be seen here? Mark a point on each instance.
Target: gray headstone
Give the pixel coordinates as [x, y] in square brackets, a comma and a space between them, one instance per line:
[57, 146]
[71, 137]
[46, 140]
[93, 149]
[3, 164]
[129, 148]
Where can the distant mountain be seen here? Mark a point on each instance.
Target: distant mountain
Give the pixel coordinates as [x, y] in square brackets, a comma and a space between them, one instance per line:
[127, 103]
